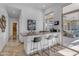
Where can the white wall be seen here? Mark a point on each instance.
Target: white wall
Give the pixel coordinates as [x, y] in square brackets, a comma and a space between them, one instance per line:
[4, 36]
[72, 16]
[57, 10]
[11, 21]
[30, 13]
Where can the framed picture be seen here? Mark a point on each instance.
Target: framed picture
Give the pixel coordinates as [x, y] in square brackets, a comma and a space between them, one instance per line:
[31, 24]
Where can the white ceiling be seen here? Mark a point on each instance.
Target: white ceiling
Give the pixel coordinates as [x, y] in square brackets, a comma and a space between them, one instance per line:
[14, 10]
[71, 7]
[37, 5]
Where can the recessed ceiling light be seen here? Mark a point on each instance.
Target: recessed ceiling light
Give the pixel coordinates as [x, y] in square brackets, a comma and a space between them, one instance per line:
[44, 6]
[13, 11]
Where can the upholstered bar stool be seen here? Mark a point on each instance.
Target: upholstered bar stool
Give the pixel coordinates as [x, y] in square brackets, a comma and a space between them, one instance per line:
[52, 40]
[45, 45]
[50, 43]
[35, 44]
[55, 42]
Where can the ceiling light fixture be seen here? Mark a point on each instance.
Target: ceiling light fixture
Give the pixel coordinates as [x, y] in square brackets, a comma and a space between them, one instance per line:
[14, 12]
[44, 6]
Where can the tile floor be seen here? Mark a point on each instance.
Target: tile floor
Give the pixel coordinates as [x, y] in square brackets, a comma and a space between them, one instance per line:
[15, 48]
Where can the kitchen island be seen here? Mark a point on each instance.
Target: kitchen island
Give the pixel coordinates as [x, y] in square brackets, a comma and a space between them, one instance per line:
[39, 41]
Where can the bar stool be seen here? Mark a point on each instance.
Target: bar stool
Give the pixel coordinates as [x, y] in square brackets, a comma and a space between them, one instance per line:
[55, 41]
[44, 44]
[36, 41]
[50, 41]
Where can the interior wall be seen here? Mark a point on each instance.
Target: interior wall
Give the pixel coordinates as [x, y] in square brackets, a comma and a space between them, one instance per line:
[11, 21]
[30, 13]
[58, 11]
[4, 36]
[72, 16]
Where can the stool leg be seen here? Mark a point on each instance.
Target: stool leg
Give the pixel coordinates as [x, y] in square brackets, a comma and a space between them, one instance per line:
[37, 48]
[41, 49]
[31, 47]
[48, 48]
[55, 50]
[56, 43]
[53, 45]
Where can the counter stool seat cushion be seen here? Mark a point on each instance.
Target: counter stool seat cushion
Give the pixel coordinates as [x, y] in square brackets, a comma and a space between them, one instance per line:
[37, 39]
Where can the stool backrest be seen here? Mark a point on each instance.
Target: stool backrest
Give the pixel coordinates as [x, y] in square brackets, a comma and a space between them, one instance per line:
[50, 37]
[37, 39]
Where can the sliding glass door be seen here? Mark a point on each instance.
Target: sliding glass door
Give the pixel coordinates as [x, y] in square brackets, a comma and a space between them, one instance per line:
[71, 28]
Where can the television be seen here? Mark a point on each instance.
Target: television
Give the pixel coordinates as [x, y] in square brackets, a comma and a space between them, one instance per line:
[56, 23]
